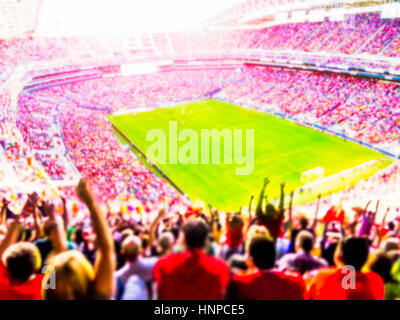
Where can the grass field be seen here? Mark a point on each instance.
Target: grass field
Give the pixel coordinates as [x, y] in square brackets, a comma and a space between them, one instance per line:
[282, 151]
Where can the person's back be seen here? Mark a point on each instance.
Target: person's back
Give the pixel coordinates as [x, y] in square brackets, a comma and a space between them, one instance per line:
[191, 274]
[18, 273]
[334, 284]
[28, 290]
[266, 283]
[135, 289]
[135, 264]
[302, 261]
[346, 281]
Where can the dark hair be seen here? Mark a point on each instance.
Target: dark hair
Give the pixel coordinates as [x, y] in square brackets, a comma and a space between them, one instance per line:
[354, 251]
[175, 232]
[304, 223]
[22, 260]
[305, 240]
[78, 235]
[235, 221]
[263, 252]
[196, 232]
[329, 252]
[382, 265]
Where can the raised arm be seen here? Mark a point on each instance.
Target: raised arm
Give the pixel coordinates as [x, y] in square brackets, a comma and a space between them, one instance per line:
[154, 226]
[384, 218]
[105, 260]
[314, 224]
[250, 205]
[65, 214]
[398, 223]
[290, 222]
[4, 211]
[282, 199]
[366, 208]
[37, 217]
[54, 224]
[376, 211]
[259, 210]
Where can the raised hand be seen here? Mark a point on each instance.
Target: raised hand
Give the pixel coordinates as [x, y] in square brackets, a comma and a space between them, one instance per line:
[33, 198]
[5, 202]
[161, 212]
[377, 206]
[366, 207]
[48, 209]
[83, 191]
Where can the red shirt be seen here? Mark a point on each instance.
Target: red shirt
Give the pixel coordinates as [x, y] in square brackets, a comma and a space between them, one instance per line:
[191, 275]
[334, 214]
[234, 236]
[29, 290]
[328, 284]
[268, 285]
[274, 225]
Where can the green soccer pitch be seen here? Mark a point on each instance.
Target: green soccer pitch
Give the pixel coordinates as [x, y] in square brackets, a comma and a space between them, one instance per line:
[282, 151]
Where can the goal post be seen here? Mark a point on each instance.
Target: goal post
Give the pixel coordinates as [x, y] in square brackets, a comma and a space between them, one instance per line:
[312, 174]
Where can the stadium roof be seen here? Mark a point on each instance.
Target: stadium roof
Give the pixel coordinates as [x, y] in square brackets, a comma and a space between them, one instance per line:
[119, 18]
[255, 12]
[104, 17]
[18, 17]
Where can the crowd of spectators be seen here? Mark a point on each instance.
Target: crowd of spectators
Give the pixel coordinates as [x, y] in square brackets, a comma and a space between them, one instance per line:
[365, 109]
[137, 237]
[51, 252]
[362, 33]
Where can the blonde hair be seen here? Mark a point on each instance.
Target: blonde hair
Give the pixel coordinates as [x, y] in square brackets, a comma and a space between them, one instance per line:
[24, 254]
[131, 248]
[256, 231]
[74, 277]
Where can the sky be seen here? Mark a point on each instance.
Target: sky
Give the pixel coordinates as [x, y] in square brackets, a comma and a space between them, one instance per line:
[119, 17]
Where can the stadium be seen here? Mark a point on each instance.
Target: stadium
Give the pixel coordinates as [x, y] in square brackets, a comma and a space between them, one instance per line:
[184, 150]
